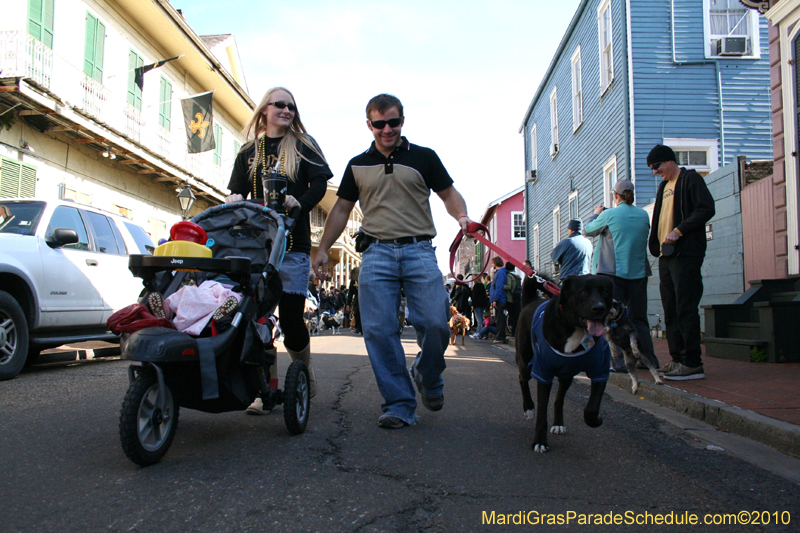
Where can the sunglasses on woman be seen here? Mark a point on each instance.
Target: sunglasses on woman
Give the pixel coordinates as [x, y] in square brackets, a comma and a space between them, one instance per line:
[380, 124]
[284, 105]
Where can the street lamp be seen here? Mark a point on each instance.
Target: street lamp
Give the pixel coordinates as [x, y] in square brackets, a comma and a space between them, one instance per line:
[186, 198]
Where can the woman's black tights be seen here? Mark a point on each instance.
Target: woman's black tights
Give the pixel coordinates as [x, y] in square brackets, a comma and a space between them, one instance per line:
[295, 333]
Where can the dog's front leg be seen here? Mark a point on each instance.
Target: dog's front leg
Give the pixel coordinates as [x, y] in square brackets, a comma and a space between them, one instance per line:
[646, 360]
[558, 408]
[591, 414]
[527, 399]
[630, 363]
[540, 437]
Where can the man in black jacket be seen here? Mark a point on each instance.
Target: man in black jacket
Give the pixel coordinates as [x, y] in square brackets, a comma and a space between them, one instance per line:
[678, 238]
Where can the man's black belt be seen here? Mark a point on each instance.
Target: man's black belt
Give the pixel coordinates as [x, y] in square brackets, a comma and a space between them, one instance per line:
[401, 240]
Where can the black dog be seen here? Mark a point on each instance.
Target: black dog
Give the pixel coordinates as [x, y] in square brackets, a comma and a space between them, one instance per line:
[622, 337]
[571, 323]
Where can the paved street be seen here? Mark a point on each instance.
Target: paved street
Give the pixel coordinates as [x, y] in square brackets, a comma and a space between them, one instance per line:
[62, 468]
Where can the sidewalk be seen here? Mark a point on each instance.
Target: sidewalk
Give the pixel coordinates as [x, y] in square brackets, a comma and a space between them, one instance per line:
[760, 401]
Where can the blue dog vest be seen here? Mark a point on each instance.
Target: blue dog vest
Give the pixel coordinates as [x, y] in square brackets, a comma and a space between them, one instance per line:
[547, 363]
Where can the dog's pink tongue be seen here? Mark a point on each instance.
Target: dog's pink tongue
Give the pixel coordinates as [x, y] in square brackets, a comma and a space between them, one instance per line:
[595, 328]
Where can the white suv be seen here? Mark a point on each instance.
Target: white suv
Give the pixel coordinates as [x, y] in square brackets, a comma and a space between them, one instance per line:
[63, 273]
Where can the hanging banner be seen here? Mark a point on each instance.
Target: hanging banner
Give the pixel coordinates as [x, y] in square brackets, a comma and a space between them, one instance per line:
[138, 72]
[198, 117]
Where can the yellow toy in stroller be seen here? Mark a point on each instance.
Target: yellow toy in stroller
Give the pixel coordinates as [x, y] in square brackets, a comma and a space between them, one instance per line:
[227, 366]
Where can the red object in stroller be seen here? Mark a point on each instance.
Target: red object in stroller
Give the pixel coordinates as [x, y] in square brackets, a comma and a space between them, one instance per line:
[227, 366]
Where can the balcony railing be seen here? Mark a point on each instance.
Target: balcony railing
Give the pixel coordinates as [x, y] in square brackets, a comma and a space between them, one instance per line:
[23, 56]
[345, 238]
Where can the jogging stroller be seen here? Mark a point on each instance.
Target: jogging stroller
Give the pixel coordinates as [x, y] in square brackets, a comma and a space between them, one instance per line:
[227, 366]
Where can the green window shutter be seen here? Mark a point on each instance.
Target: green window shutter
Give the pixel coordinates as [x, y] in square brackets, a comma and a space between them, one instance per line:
[218, 145]
[17, 179]
[99, 52]
[165, 104]
[134, 93]
[35, 11]
[236, 147]
[47, 23]
[90, 41]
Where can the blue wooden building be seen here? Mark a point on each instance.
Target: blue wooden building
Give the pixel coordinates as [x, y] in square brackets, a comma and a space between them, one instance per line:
[627, 75]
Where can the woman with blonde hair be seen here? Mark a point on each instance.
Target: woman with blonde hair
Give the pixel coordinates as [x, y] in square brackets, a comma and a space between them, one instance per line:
[278, 143]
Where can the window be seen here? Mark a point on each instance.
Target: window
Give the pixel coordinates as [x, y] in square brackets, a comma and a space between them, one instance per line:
[94, 44]
[69, 217]
[573, 205]
[236, 147]
[80, 197]
[141, 238]
[534, 150]
[554, 122]
[40, 21]
[104, 236]
[165, 104]
[606, 45]
[17, 179]
[731, 29]
[158, 229]
[609, 179]
[700, 155]
[124, 211]
[536, 247]
[577, 90]
[517, 225]
[218, 144]
[318, 217]
[556, 225]
[21, 218]
[134, 92]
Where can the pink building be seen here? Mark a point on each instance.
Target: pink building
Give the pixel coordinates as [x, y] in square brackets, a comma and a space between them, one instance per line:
[505, 218]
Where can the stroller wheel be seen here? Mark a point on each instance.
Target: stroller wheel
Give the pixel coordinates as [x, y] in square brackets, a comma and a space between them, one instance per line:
[148, 420]
[296, 399]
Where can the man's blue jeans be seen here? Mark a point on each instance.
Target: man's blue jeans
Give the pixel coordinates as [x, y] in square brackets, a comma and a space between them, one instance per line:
[384, 269]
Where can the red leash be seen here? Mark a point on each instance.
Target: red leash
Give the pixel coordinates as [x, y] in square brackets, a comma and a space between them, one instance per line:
[480, 232]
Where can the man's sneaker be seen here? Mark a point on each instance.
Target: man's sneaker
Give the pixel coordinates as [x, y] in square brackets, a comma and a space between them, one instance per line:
[683, 373]
[669, 367]
[433, 403]
[499, 341]
[391, 422]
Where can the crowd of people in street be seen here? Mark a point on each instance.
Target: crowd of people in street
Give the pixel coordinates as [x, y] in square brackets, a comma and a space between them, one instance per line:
[393, 180]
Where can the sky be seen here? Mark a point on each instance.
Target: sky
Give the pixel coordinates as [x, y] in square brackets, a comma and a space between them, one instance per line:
[465, 71]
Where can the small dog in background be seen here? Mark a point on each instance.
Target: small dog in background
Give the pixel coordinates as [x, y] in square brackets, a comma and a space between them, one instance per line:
[313, 325]
[622, 337]
[459, 324]
[331, 322]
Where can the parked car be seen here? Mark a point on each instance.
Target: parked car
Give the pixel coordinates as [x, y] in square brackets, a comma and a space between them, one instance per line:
[63, 273]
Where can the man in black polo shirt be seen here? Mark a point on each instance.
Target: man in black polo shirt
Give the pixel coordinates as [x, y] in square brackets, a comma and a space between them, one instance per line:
[392, 182]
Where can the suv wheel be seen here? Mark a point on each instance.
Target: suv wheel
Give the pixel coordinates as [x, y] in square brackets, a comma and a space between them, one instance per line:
[13, 337]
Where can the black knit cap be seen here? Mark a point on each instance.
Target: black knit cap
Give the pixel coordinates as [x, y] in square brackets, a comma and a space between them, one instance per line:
[660, 153]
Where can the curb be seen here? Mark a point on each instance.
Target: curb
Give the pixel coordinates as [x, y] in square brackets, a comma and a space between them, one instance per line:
[62, 356]
[782, 436]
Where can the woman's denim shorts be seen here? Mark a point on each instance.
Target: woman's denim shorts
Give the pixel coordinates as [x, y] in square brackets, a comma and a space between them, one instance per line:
[295, 272]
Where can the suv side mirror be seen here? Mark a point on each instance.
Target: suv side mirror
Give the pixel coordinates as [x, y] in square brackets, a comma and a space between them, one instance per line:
[62, 237]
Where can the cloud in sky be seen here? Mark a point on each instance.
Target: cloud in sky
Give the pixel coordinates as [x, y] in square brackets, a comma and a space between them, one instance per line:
[464, 70]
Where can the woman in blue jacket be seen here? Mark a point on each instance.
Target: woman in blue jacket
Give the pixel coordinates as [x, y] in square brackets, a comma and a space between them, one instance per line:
[622, 255]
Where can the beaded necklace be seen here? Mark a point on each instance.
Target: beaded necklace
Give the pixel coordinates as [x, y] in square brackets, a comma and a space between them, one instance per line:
[282, 168]
[263, 152]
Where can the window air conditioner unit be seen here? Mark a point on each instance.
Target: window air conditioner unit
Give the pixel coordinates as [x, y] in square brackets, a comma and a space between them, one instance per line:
[732, 46]
[530, 176]
[555, 149]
